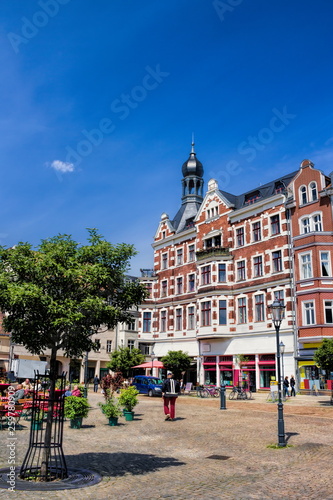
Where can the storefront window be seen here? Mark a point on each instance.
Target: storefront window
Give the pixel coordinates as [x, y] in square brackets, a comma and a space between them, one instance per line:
[210, 377]
[267, 375]
[309, 374]
[226, 377]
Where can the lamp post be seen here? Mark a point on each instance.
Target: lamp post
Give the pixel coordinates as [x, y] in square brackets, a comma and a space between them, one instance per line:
[277, 312]
[282, 348]
[85, 390]
[152, 355]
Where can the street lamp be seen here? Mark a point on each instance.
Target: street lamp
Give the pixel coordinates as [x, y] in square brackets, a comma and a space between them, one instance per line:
[277, 312]
[282, 348]
[152, 355]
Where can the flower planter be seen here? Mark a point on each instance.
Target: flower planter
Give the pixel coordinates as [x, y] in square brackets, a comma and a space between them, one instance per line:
[129, 415]
[76, 423]
[113, 421]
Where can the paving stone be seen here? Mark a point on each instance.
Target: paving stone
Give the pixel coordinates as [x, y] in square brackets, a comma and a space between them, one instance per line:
[150, 458]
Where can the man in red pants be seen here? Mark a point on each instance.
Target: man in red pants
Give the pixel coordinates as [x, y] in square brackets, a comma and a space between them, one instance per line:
[170, 392]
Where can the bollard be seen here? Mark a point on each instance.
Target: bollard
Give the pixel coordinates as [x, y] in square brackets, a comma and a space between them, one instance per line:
[222, 398]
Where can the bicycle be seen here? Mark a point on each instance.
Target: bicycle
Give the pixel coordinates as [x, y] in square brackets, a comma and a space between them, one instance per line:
[205, 392]
[239, 393]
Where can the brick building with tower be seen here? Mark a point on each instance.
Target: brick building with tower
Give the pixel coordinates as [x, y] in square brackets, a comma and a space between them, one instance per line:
[223, 259]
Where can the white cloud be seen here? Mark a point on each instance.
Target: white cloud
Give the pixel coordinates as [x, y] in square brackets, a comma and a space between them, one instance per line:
[62, 166]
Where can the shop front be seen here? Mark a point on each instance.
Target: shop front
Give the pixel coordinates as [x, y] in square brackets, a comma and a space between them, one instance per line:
[310, 375]
[257, 371]
[226, 370]
[209, 365]
[247, 373]
[267, 373]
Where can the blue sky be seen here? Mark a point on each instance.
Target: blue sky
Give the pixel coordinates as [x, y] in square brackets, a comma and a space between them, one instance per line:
[99, 101]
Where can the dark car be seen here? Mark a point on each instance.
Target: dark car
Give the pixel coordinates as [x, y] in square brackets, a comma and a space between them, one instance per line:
[148, 385]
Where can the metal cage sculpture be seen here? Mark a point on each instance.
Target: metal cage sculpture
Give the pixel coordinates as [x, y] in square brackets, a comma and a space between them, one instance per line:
[46, 462]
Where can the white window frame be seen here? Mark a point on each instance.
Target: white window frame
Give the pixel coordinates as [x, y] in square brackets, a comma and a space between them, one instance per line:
[189, 326]
[225, 272]
[310, 227]
[273, 260]
[163, 311]
[271, 224]
[236, 236]
[252, 231]
[162, 294]
[108, 347]
[238, 308]
[306, 311]
[301, 193]
[190, 247]
[312, 190]
[325, 308]
[237, 274]
[263, 308]
[305, 224]
[314, 224]
[303, 265]
[164, 262]
[226, 311]
[131, 344]
[179, 280]
[322, 261]
[261, 266]
[177, 319]
[180, 256]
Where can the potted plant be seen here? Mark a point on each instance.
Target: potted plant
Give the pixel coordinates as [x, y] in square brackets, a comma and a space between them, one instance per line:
[111, 410]
[76, 408]
[38, 420]
[128, 399]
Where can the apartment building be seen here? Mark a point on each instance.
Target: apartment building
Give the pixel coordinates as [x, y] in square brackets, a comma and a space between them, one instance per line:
[220, 263]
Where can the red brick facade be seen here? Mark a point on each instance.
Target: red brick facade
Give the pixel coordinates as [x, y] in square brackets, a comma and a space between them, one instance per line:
[214, 280]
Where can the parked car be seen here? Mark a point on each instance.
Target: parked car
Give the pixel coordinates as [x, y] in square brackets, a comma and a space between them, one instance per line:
[148, 385]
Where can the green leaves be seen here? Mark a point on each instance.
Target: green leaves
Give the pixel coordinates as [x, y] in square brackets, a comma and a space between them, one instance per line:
[123, 359]
[323, 356]
[57, 296]
[177, 362]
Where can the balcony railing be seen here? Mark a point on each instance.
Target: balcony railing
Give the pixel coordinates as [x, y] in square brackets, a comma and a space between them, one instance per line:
[147, 273]
[218, 251]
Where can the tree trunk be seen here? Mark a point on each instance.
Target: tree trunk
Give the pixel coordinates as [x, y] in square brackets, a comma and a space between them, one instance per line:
[49, 419]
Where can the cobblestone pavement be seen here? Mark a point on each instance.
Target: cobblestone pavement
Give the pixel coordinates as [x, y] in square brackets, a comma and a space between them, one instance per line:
[206, 453]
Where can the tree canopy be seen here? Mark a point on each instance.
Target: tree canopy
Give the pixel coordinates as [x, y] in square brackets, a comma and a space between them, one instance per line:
[58, 295]
[177, 362]
[323, 356]
[124, 358]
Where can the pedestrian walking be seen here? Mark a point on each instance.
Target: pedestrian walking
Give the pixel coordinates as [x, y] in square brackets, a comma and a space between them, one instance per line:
[292, 386]
[286, 387]
[170, 392]
[96, 383]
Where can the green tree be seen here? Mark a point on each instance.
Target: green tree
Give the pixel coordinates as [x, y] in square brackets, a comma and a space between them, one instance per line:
[177, 362]
[323, 356]
[57, 295]
[123, 359]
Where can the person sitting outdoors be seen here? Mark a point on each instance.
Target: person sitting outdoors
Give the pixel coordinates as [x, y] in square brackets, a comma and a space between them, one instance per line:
[26, 385]
[67, 392]
[19, 393]
[76, 391]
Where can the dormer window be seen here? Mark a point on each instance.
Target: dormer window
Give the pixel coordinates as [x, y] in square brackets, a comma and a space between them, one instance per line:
[252, 197]
[279, 187]
[189, 223]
